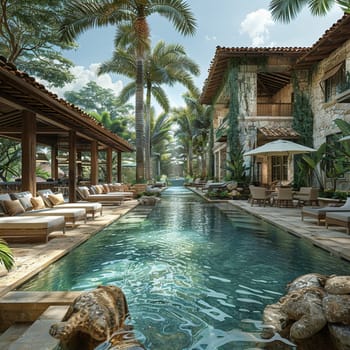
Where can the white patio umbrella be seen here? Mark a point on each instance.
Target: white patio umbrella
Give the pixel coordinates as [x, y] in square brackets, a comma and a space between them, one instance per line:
[280, 147]
[345, 138]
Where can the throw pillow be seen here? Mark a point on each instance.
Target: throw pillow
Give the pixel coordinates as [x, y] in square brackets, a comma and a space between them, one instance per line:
[26, 203]
[13, 207]
[38, 203]
[84, 192]
[56, 198]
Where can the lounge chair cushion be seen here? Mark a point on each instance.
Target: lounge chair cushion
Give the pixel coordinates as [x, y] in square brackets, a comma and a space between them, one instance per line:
[13, 207]
[31, 222]
[345, 217]
[38, 203]
[56, 199]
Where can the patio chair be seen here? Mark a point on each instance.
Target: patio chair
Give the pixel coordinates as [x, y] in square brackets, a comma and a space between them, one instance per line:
[307, 195]
[319, 213]
[284, 197]
[259, 195]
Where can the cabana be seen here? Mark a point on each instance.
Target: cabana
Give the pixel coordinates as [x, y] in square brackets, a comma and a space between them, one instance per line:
[32, 115]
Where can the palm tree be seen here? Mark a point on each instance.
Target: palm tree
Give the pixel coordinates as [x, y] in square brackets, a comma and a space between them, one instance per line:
[160, 135]
[185, 134]
[201, 124]
[166, 64]
[81, 15]
[286, 10]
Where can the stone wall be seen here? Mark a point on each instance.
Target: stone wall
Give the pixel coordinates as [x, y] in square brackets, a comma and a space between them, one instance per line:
[326, 113]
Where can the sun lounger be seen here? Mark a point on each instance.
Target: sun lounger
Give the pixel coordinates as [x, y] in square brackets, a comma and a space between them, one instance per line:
[319, 213]
[338, 219]
[111, 189]
[57, 201]
[104, 198]
[30, 229]
[20, 205]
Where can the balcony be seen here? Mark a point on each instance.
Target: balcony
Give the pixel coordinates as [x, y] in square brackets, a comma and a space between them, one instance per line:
[274, 109]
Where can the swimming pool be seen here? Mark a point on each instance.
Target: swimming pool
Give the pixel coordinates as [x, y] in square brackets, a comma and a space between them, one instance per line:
[194, 277]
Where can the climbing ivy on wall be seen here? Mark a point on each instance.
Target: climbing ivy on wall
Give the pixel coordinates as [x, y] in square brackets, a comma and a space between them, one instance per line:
[302, 115]
[235, 160]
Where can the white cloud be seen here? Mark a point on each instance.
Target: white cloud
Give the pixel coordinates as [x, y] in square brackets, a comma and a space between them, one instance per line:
[84, 75]
[256, 25]
[210, 38]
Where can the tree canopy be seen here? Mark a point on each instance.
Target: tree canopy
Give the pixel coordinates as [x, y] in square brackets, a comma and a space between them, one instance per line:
[29, 39]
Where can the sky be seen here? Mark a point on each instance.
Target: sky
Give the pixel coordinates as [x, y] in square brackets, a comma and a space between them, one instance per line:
[225, 23]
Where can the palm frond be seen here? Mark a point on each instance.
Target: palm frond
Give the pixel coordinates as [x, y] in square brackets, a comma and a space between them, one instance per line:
[286, 10]
[178, 12]
[6, 256]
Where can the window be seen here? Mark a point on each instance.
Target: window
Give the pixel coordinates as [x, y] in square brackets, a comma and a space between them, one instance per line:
[334, 78]
[279, 167]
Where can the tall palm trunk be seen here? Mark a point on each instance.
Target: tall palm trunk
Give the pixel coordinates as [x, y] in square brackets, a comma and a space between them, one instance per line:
[148, 166]
[190, 159]
[139, 122]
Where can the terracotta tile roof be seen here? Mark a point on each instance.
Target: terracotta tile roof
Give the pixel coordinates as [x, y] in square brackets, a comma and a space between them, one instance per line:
[222, 58]
[305, 57]
[280, 133]
[332, 39]
[25, 90]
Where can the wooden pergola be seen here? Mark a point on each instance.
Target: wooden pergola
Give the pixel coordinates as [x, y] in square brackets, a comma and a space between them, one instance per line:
[32, 115]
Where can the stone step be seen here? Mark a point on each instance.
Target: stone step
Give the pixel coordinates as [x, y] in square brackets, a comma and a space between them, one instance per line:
[12, 334]
[21, 306]
[37, 335]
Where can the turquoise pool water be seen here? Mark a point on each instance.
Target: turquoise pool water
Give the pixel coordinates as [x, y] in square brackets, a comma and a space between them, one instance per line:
[194, 277]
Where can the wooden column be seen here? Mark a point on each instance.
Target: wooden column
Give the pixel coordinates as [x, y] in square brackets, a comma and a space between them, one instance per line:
[29, 152]
[109, 160]
[94, 163]
[119, 167]
[54, 162]
[72, 180]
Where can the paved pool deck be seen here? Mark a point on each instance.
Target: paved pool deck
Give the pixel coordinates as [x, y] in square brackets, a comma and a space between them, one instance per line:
[32, 258]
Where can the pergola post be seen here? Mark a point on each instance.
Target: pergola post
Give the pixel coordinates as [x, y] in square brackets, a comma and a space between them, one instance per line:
[29, 152]
[119, 167]
[54, 162]
[94, 163]
[72, 171]
[109, 160]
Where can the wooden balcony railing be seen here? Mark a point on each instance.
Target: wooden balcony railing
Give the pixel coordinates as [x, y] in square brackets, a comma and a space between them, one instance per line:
[274, 109]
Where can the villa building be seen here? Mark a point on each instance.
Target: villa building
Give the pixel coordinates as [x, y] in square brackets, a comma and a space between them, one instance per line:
[279, 93]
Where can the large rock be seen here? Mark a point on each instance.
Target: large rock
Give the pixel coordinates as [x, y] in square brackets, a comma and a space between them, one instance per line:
[94, 317]
[304, 306]
[341, 336]
[337, 308]
[338, 285]
[306, 281]
[314, 314]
